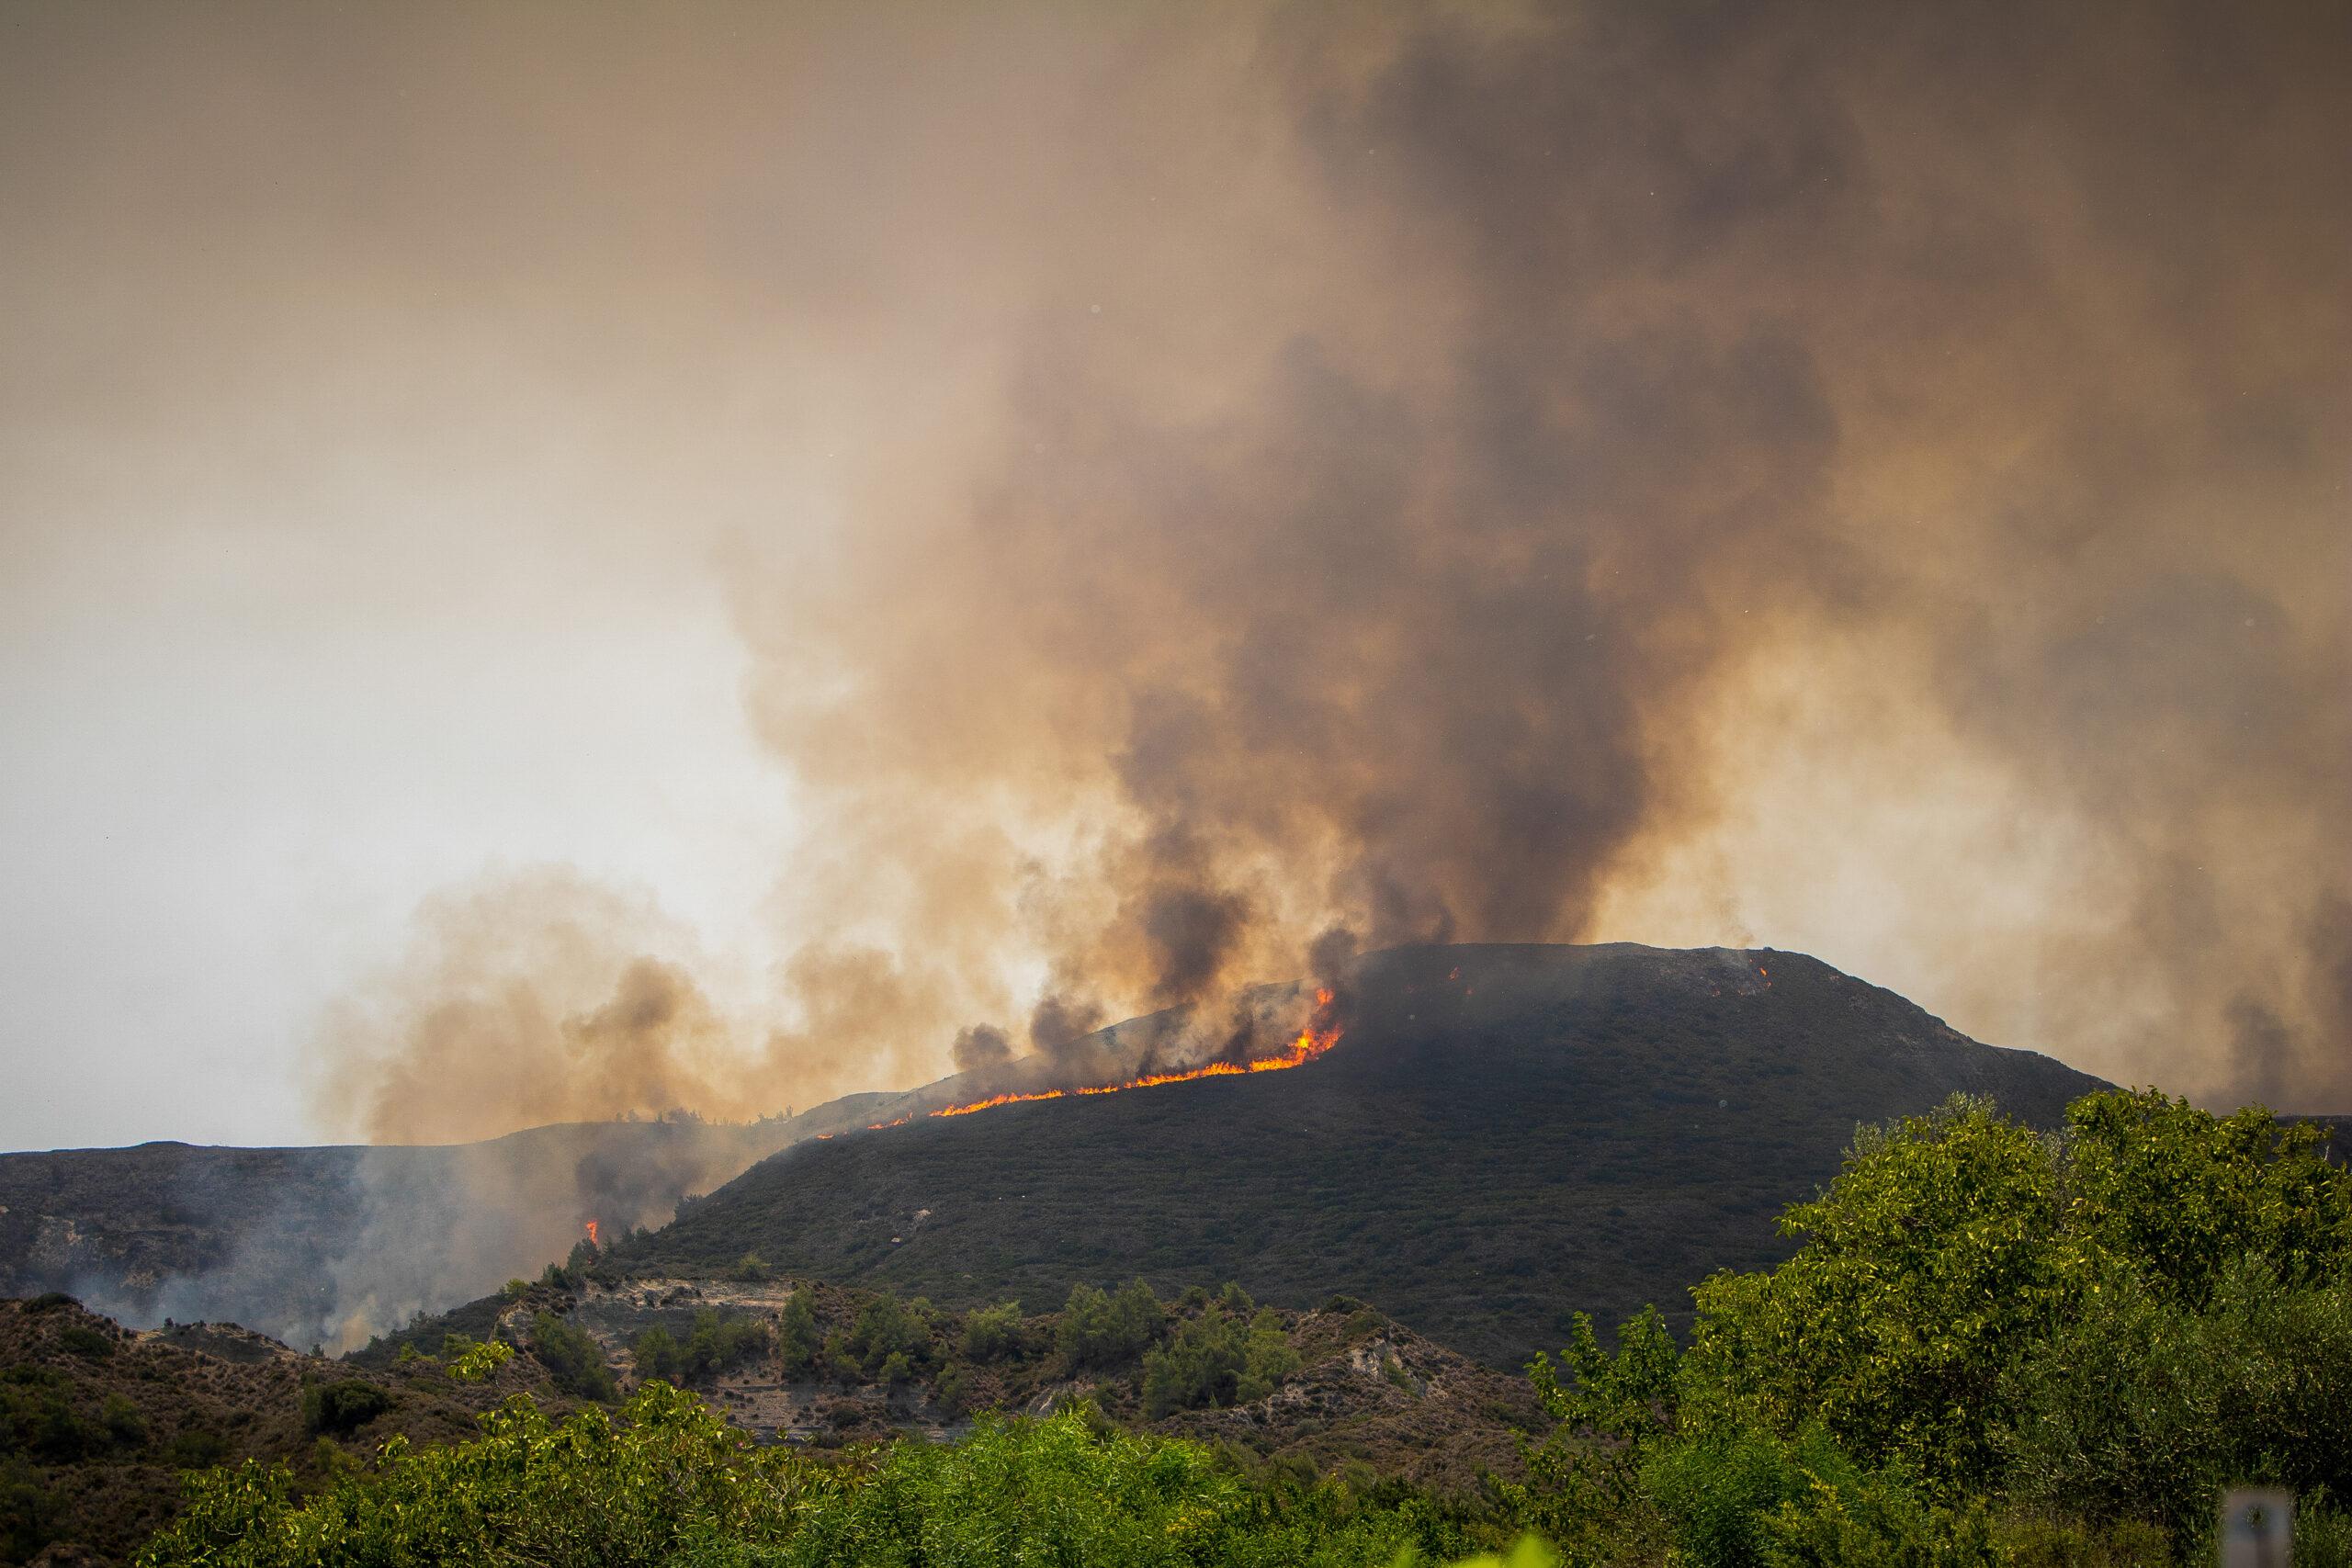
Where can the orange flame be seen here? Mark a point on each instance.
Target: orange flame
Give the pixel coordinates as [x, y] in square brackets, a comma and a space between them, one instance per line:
[592, 1234]
[1311, 1043]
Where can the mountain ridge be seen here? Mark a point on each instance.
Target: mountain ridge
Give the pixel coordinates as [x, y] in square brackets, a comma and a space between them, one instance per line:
[1505, 1134]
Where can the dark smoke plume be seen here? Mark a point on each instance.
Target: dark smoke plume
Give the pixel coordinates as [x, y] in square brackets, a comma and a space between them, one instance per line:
[1868, 480]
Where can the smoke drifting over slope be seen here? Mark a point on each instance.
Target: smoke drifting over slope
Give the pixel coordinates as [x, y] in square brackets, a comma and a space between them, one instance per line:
[1581, 445]
[1869, 481]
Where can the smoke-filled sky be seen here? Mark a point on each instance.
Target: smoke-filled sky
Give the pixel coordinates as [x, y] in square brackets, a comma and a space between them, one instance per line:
[558, 561]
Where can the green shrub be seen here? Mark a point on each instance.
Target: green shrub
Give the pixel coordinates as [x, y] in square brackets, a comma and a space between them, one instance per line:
[2141, 1408]
[1213, 1360]
[343, 1407]
[2038, 1540]
[1107, 1331]
[1717, 1492]
[37, 1418]
[2322, 1532]
[720, 1343]
[122, 1421]
[575, 1362]
[472, 1360]
[657, 1355]
[83, 1340]
[669, 1483]
[1953, 1246]
[993, 1332]
[797, 1339]
[196, 1449]
[889, 1329]
[587, 1491]
[29, 1512]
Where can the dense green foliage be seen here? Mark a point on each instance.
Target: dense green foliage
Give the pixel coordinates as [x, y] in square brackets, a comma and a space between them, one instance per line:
[891, 1341]
[1102, 1330]
[572, 1359]
[797, 1339]
[669, 1482]
[714, 1345]
[344, 1406]
[1214, 1359]
[37, 1418]
[2106, 1327]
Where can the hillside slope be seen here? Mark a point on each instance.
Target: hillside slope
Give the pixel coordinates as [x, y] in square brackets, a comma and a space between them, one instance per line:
[320, 1246]
[97, 1426]
[1506, 1133]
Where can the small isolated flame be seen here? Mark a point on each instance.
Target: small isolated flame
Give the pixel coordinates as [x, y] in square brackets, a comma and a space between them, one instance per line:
[592, 1234]
[1311, 1043]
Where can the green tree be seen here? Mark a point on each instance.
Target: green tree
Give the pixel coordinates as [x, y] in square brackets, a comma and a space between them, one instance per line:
[343, 1407]
[798, 1339]
[887, 1327]
[992, 1333]
[575, 1362]
[1935, 1255]
[1105, 1331]
[657, 1355]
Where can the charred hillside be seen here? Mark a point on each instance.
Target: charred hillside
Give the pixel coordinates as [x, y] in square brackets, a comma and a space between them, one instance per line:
[1506, 1135]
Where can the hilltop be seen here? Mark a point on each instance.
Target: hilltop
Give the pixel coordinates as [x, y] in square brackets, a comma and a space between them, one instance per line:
[1504, 1135]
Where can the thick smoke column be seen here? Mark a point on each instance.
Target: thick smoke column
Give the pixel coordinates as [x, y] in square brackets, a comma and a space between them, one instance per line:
[1627, 418]
[1863, 480]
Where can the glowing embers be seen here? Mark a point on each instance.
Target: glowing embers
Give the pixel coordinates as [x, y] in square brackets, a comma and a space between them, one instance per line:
[1310, 1043]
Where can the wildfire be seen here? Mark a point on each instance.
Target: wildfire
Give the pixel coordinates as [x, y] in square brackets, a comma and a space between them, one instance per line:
[1311, 1043]
[592, 1235]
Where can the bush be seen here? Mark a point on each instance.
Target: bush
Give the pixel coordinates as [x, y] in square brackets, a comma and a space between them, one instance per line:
[657, 1355]
[671, 1483]
[1105, 1331]
[797, 1339]
[750, 1268]
[1954, 1246]
[343, 1407]
[37, 1418]
[1213, 1360]
[122, 1421]
[479, 1363]
[715, 1345]
[993, 1332]
[83, 1340]
[527, 1491]
[196, 1449]
[575, 1362]
[888, 1328]
[2144, 1409]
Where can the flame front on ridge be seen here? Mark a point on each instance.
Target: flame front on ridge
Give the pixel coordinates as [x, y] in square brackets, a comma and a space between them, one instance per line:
[1310, 1043]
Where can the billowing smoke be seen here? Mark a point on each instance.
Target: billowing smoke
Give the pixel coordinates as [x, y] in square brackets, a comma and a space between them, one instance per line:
[1868, 479]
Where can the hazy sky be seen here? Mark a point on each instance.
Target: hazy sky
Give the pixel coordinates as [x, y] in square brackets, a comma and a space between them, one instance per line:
[557, 560]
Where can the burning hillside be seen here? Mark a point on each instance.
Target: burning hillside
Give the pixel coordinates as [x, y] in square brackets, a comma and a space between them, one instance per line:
[1509, 1130]
[1321, 1033]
